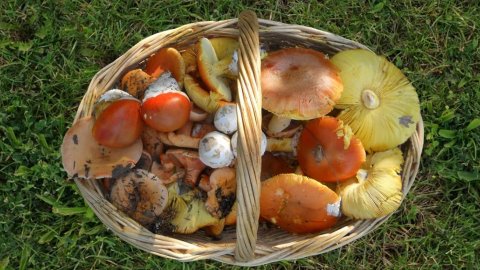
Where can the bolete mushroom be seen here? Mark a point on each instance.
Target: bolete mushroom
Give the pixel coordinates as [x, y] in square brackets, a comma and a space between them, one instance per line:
[117, 119]
[376, 190]
[165, 108]
[214, 150]
[141, 195]
[166, 59]
[298, 204]
[328, 151]
[378, 103]
[299, 83]
[84, 157]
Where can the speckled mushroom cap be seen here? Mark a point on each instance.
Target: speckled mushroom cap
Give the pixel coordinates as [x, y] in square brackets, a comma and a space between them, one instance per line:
[83, 157]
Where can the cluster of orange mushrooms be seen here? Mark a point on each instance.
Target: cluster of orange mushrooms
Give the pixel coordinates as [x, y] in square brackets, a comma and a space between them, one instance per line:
[163, 143]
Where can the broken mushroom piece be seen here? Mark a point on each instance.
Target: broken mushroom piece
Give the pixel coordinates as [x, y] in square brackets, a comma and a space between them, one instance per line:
[234, 142]
[328, 151]
[299, 83]
[214, 150]
[376, 191]
[145, 161]
[84, 157]
[274, 165]
[185, 213]
[167, 171]
[210, 70]
[197, 114]
[152, 143]
[135, 82]
[117, 119]
[190, 162]
[226, 119]
[298, 204]
[378, 103]
[165, 108]
[166, 59]
[221, 195]
[141, 195]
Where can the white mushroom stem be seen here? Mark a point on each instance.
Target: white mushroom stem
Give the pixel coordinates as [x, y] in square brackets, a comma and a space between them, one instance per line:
[278, 124]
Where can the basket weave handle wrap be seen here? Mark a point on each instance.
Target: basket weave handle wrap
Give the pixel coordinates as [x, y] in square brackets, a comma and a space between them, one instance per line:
[249, 112]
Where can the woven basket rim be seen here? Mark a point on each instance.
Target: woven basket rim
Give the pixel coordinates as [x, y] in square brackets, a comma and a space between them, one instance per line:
[196, 247]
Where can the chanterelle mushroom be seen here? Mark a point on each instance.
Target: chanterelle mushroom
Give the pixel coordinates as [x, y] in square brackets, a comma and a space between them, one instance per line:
[83, 157]
[190, 161]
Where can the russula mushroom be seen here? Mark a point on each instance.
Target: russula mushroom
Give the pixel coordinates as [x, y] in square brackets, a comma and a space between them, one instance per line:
[234, 142]
[84, 157]
[117, 119]
[378, 103]
[328, 151]
[214, 150]
[376, 190]
[221, 196]
[207, 101]
[185, 213]
[190, 162]
[226, 119]
[135, 82]
[211, 70]
[299, 84]
[165, 108]
[166, 59]
[141, 195]
[298, 204]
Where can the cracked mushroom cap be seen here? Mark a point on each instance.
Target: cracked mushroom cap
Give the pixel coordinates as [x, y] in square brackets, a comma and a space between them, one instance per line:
[141, 195]
[376, 191]
[299, 83]
[84, 157]
[378, 102]
[298, 204]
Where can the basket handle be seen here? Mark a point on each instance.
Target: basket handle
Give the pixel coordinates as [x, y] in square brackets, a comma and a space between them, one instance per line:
[249, 112]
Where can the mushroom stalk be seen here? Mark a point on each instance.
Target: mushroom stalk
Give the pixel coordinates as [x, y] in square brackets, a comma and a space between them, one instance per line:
[278, 123]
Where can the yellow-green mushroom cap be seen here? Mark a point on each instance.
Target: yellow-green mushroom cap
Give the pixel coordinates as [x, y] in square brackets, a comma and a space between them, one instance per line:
[378, 102]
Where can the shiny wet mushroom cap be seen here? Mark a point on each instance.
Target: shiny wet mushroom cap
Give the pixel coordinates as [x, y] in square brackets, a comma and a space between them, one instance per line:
[84, 157]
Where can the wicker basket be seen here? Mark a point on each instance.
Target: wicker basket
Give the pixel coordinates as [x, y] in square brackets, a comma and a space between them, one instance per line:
[248, 244]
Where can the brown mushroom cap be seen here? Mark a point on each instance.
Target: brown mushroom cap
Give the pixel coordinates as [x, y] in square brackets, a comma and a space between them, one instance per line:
[83, 157]
[299, 83]
[141, 195]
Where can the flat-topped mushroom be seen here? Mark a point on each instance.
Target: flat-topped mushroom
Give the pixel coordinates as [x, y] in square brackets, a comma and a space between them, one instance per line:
[299, 84]
[84, 157]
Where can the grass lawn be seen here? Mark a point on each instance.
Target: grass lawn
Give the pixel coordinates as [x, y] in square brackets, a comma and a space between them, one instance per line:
[49, 50]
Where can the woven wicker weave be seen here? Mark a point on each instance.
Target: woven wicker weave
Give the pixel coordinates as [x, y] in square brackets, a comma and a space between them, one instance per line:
[247, 244]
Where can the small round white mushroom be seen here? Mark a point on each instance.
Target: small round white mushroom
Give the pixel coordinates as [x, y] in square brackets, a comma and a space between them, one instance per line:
[214, 150]
[263, 146]
[226, 119]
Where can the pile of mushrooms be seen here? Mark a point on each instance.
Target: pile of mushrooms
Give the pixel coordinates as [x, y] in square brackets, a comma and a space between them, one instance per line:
[162, 144]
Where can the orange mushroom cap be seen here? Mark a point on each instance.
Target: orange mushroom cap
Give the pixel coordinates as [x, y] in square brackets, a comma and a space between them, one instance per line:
[166, 59]
[299, 83]
[298, 203]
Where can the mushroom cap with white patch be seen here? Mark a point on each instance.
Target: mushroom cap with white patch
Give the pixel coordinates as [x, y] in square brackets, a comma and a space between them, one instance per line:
[226, 119]
[214, 150]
